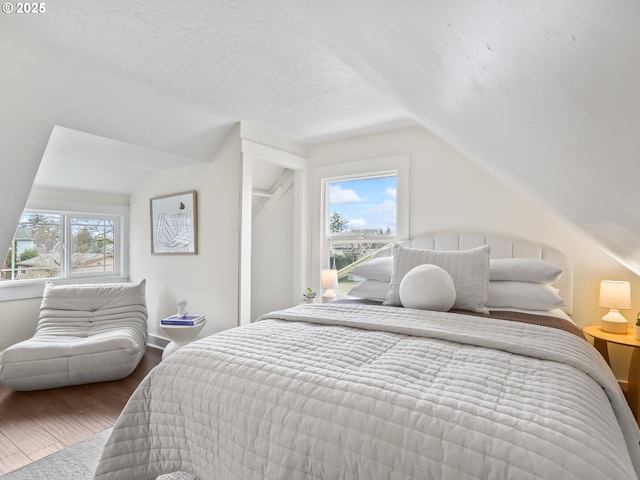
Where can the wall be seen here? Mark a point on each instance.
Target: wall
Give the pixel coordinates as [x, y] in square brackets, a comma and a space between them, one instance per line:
[449, 192]
[23, 135]
[208, 280]
[18, 320]
[261, 150]
[272, 256]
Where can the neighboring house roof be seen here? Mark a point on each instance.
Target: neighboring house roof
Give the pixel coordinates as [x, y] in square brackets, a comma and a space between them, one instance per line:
[86, 259]
[45, 260]
[53, 260]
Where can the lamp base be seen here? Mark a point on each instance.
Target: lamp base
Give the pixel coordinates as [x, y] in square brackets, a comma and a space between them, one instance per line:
[329, 296]
[614, 322]
[614, 327]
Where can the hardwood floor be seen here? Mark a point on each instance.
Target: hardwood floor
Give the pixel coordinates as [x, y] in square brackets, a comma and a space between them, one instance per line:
[36, 424]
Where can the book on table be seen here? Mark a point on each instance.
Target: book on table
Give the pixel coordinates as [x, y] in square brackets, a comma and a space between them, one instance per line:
[187, 320]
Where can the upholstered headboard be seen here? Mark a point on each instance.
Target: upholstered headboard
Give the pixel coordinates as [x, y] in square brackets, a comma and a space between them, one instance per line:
[503, 247]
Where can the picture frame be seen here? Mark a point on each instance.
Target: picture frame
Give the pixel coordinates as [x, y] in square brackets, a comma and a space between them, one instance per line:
[174, 224]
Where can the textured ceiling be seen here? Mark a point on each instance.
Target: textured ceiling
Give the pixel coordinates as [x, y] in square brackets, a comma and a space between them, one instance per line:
[245, 60]
[543, 94]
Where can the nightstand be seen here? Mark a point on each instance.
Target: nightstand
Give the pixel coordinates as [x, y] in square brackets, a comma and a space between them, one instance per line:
[180, 335]
[601, 341]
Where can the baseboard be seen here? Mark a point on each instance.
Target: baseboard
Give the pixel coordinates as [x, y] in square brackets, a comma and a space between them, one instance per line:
[157, 342]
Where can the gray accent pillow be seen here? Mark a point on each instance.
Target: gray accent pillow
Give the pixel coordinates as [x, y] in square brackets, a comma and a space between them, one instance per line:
[469, 270]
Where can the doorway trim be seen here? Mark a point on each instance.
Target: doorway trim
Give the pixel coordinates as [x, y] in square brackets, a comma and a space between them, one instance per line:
[250, 152]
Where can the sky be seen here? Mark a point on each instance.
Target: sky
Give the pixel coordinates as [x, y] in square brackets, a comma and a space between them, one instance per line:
[366, 203]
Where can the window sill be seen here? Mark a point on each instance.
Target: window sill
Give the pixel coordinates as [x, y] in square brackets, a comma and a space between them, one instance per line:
[22, 290]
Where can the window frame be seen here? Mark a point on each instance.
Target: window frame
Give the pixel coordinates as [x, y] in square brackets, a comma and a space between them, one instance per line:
[33, 288]
[375, 167]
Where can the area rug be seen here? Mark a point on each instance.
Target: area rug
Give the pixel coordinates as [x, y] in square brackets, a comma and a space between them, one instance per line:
[77, 462]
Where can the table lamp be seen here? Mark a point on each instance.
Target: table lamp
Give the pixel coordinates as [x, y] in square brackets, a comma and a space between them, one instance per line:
[615, 295]
[329, 281]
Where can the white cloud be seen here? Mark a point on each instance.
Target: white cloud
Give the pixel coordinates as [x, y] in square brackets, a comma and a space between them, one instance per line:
[391, 191]
[357, 223]
[382, 215]
[339, 195]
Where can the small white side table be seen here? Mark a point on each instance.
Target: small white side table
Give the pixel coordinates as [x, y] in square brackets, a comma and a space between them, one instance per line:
[180, 335]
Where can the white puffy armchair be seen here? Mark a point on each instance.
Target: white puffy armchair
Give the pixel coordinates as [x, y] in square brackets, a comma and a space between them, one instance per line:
[85, 334]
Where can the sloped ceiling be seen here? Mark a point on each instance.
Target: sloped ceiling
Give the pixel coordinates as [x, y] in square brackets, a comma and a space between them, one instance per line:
[68, 152]
[543, 94]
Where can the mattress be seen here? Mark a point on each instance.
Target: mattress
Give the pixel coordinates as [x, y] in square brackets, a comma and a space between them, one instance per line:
[366, 392]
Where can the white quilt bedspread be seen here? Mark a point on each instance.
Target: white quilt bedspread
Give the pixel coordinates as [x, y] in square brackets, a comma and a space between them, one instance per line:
[370, 392]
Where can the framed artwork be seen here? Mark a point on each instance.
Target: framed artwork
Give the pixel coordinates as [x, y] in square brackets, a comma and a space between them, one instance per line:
[174, 224]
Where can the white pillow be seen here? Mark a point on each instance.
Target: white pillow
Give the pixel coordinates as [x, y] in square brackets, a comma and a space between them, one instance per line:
[428, 287]
[375, 269]
[469, 270]
[371, 290]
[524, 295]
[523, 270]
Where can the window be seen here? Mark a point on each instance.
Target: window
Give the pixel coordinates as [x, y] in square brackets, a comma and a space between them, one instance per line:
[63, 245]
[360, 206]
[362, 217]
[92, 245]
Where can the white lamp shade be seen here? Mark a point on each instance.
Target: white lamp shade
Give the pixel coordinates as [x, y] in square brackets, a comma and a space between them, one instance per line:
[615, 294]
[329, 281]
[329, 278]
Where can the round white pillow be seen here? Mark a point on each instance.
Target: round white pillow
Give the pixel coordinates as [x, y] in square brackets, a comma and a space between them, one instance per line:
[428, 287]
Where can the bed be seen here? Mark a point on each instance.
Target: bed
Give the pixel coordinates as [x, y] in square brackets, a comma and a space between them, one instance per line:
[366, 389]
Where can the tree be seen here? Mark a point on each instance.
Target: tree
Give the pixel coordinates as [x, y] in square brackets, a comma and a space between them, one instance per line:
[341, 261]
[7, 264]
[83, 241]
[46, 235]
[337, 223]
[28, 253]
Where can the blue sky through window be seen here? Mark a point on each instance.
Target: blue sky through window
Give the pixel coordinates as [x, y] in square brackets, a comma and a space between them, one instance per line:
[366, 203]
